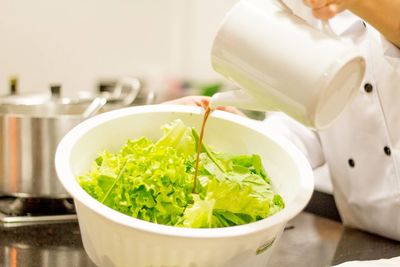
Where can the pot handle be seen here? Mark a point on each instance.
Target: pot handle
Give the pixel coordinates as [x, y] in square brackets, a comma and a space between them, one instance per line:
[94, 107]
[133, 84]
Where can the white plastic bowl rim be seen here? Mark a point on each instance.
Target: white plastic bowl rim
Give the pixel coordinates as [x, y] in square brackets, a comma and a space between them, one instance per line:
[70, 183]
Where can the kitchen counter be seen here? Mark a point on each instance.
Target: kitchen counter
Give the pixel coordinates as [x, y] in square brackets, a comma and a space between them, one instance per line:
[308, 240]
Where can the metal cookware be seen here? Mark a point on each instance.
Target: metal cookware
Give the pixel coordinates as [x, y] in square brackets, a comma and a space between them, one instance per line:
[31, 126]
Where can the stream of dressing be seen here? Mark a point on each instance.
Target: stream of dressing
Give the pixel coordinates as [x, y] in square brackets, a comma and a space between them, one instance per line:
[196, 168]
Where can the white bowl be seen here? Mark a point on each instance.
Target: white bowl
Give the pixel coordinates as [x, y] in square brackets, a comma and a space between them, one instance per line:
[113, 239]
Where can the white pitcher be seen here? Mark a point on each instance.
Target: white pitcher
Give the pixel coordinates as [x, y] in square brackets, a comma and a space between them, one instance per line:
[283, 63]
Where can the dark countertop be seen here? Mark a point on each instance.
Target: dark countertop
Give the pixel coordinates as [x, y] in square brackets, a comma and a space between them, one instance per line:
[309, 240]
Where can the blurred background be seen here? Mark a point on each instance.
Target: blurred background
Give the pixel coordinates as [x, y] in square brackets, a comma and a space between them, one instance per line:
[84, 44]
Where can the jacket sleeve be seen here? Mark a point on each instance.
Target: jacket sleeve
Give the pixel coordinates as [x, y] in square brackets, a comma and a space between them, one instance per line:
[306, 140]
[391, 53]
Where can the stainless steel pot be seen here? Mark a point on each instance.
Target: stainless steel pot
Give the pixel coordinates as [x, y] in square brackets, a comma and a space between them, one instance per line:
[31, 127]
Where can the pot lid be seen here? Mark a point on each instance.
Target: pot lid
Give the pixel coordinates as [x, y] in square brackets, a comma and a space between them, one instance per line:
[48, 104]
[25, 99]
[53, 96]
[51, 104]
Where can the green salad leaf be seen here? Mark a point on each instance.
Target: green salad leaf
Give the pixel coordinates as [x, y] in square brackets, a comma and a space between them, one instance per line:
[153, 181]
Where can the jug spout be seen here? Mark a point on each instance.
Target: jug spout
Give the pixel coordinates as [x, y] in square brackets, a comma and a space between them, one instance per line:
[238, 99]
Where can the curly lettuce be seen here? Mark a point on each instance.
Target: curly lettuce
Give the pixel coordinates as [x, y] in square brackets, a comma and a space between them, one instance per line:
[153, 181]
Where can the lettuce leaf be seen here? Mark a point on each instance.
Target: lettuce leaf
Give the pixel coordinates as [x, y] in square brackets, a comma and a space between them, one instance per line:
[153, 181]
[178, 136]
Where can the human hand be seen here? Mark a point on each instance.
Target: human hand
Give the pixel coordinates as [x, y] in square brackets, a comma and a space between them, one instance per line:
[201, 101]
[327, 9]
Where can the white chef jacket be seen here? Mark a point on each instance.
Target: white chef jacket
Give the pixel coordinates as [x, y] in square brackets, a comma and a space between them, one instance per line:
[362, 148]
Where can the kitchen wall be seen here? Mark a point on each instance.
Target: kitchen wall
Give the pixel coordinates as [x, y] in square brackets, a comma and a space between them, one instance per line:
[78, 42]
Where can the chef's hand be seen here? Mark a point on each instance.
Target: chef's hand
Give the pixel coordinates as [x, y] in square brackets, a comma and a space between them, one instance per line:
[326, 9]
[383, 15]
[201, 101]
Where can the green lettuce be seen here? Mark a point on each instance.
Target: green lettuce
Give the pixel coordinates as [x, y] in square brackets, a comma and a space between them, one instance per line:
[153, 181]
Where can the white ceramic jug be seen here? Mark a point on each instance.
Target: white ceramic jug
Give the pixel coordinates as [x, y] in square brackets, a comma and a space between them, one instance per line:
[283, 63]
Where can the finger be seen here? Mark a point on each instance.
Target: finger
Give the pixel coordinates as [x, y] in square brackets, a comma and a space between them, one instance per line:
[231, 110]
[316, 3]
[203, 102]
[338, 6]
[328, 12]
